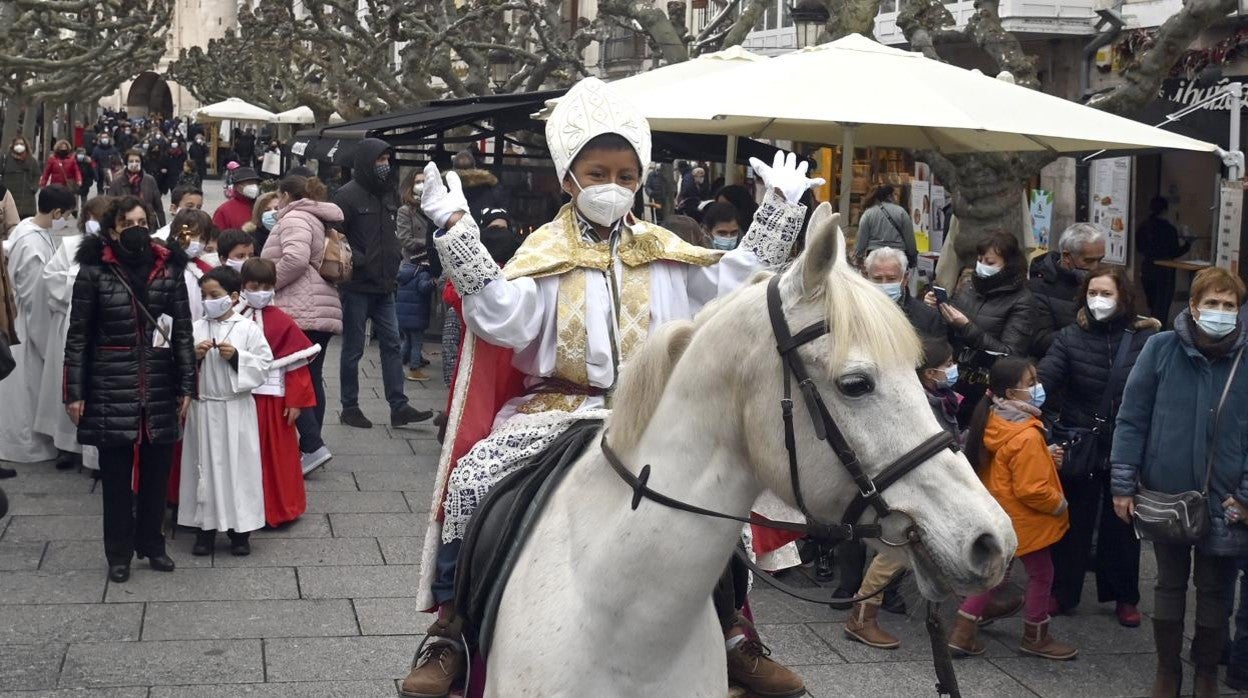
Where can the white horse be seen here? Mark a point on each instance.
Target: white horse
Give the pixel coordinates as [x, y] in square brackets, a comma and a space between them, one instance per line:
[609, 601]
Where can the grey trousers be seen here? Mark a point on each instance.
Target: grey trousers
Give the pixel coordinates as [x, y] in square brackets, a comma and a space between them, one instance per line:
[1214, 578]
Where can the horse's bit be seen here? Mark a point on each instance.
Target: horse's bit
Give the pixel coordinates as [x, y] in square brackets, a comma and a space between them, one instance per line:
[870, 490]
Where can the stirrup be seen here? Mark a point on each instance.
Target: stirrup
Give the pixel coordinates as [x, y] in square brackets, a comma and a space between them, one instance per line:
[463, 639]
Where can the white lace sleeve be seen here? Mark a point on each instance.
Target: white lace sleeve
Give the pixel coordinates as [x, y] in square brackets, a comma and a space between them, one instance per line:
[465, 258]
[777, 223]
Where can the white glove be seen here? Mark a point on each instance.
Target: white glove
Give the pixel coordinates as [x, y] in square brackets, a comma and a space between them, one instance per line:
[786, 175]
[441, 201]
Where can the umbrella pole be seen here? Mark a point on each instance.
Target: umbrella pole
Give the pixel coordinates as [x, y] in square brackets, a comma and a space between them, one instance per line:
[730, 166]
[847, 170]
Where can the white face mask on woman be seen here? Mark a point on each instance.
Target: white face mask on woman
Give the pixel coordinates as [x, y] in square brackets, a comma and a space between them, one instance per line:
[603, 204]
[984, 271]
[1102, 307]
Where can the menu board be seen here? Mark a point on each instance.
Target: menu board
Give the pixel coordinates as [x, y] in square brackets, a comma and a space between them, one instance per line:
[1230, 215]
[1110, 193]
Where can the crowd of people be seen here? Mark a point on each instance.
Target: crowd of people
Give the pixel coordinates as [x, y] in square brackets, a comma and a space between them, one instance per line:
[193, 347]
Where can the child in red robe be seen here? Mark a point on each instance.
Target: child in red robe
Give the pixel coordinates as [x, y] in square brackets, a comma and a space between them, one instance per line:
[279, 401]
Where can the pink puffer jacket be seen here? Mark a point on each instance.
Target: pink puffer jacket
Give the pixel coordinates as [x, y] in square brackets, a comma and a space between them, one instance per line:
[296, 245]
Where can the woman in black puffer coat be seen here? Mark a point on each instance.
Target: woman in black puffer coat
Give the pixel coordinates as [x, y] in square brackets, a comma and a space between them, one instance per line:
[1077, 369]
[125, 386]
[990, 317]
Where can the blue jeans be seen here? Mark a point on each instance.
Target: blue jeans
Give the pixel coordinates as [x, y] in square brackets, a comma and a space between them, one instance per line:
[357, 309]
[412, 340]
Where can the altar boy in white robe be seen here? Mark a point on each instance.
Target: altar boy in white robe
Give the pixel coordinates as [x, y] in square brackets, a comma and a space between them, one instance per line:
[221, 487]
[28, 249]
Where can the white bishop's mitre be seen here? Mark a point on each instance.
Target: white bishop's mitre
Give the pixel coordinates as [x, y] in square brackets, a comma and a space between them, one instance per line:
[591, 108]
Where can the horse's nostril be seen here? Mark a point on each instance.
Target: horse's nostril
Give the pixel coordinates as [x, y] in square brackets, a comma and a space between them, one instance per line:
[986, 552]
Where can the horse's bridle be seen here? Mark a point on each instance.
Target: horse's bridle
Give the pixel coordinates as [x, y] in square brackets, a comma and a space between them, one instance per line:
[870, 490]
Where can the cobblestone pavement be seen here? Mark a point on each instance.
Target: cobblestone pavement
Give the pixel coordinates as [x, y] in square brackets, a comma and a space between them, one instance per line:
[324, 607]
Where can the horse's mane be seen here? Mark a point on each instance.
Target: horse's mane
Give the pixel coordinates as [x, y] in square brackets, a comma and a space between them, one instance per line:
[642, 385]
[862, 319]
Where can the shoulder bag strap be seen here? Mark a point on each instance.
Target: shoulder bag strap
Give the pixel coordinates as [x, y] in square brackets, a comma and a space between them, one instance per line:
[1115, 374]
[891, 221]
[1217, 416]
[142, 307]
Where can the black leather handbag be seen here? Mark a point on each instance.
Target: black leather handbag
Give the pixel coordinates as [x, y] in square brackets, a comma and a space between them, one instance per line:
[1182, 517]
[1083, 448]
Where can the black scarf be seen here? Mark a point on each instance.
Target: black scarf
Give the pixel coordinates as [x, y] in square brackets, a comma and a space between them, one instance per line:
[987, 284]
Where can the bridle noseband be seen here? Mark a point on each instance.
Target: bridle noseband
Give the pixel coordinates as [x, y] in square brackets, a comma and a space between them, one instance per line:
[870, 490]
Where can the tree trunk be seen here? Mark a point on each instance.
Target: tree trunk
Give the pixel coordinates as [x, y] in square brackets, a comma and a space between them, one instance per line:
[745, 23]
[847, 17]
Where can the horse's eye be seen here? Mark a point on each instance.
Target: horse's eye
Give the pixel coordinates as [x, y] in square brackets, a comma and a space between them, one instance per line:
[855, 384]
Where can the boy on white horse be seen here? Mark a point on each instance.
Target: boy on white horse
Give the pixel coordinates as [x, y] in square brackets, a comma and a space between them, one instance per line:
[562, 319]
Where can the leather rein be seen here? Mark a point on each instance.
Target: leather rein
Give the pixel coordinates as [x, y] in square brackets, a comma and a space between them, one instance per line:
[870, 489]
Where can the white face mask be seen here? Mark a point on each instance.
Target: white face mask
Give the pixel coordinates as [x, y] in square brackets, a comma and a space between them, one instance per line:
[251, 191]
[986, 270]
[93, 227]
[1102, 307]
[19, 148]
[212, 259]
[216, 307]
[603, 204]
[134, 166]
[235, 264]
[59, 224]
[258, 299]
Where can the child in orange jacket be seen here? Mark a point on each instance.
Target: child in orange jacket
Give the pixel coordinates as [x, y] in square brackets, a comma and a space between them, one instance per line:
[1007, 447]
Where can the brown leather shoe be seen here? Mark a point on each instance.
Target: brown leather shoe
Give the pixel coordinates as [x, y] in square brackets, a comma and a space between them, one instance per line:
[964, 640]
[439, 664]
[1038, 641]
[861, 626]
[750, 666]
[1000, 608]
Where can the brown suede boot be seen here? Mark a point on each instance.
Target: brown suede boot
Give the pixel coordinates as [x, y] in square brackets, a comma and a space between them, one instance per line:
[1038, 641]
[1001, 606]
[439, 664]
[964, 640]
[751, 667]
[861, 626]
[1207, 646]
[1168, 638]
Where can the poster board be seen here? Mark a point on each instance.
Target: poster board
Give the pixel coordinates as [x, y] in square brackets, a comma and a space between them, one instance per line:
[936, 235]
[1230, 216]
[920, 211]
[1041, 205]
[1109, 204]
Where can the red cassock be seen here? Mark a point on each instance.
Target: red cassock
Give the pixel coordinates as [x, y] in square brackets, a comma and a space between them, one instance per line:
[284, 496]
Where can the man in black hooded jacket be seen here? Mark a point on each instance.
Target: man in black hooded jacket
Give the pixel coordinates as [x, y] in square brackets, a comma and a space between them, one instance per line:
[369, 203]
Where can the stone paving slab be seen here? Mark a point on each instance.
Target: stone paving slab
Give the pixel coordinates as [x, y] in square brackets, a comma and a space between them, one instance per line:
[356, 502]
[35, 623]
[306, 526]
[72, 586]
[377, 525]
[53, 482]
[395, 481]
[62, 527]
[325, 479]
[1102, 675]
[307, 689]
[220, 620]
[915, 645]
[21, 556]
[796, 645]
[89, 555]
[977, 679]
[122, 692]
[401, 550]
[392, 616]
[338, 658]
[420, 502]
[401, 463]
[30, 666]
[358, 582]
[156, 663]
[206, 585]
[306, 552]
[46, 503]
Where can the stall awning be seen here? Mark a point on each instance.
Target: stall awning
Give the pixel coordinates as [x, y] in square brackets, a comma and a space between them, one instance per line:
[418, 132]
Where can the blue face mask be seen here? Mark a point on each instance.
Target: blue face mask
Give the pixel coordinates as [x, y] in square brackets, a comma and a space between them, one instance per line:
[1037, 396]
[269, 219]
[892, 290]
[1217, 323]
[951, 377]
[723, 243]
